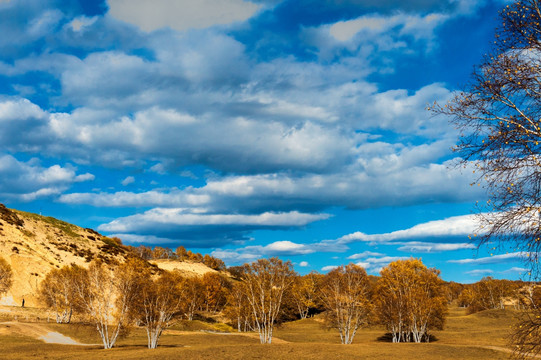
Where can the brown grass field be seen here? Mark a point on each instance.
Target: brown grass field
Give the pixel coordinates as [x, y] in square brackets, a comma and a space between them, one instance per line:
[477, 336]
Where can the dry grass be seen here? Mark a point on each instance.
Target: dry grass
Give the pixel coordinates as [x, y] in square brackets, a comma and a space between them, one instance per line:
[465, 337]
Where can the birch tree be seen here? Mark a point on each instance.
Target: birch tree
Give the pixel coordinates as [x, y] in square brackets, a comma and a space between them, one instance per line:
[410, 300]
[304, 293]
[345, 293]
[157, 302]
[238, 309]
[265, 282]
[107, 297]
[498, 116]
[192, 296]
[58, 291]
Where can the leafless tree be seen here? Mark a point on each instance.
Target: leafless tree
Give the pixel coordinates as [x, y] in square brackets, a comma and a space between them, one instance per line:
[498, 116]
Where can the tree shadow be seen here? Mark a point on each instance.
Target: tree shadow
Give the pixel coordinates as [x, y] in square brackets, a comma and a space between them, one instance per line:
[388, 337]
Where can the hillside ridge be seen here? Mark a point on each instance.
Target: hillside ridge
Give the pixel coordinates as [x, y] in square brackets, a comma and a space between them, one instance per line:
[34, 245]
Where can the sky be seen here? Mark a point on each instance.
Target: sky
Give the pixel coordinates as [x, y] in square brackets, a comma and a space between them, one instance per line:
[249, 129]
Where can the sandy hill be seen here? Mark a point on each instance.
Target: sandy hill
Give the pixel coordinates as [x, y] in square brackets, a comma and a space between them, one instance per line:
[34, 244]
[186, 268]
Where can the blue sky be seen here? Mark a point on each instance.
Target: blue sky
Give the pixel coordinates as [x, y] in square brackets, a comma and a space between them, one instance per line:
[288, 128]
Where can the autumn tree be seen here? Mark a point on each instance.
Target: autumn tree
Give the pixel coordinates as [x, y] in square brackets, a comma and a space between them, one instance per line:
[215, 288]
[58, 291]
[6, 276]
[498, 116]
[304, 293]
[157, 302]
[192, 296]
[144, 252]
[238, 309]
[345, 293]
[453, 291]
[213, 263]
[410, 301]
[265, 282]
[106, 297]
[162, 253]
[488, 293]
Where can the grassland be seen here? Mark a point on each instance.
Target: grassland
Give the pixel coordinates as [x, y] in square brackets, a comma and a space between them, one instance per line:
[478, 336]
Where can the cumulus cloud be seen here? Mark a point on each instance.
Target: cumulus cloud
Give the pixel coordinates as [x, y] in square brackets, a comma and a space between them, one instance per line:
[181, 15]
[374, 33]
[285, 137]
[304, 264]
[375, 25]
[30, 180]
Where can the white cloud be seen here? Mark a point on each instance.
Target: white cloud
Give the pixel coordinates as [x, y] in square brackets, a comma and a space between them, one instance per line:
[463, 225]
[373, 35]
[375, 264]
[128, 180]
[375, 25]
[483, 272]
[148, 240]
[304, 264]
[173, 197]
[503, 258]
[182, 217]
[516, 269]
[30, 180]
[364, 254]
[329, 268]
[426, 247]
[231, 256]
[81, 22]
[181, 14]
[286, 247]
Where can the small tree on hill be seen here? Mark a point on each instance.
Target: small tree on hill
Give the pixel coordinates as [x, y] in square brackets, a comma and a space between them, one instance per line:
[58, 291]
[265, 282]
[192, 296]
[345, 293]
[215, 289]
[6, 276]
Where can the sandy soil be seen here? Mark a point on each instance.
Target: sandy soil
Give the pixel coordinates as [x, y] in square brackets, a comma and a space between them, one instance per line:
[186, 268]
[37, 331]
